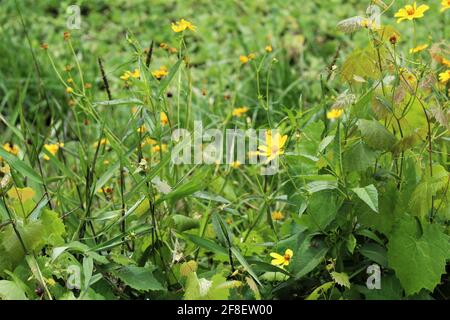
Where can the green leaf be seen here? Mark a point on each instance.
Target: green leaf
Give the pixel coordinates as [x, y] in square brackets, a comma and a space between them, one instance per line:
[341, 278]
[375, 253]
[206, 244]
[359, 157]
[139, 278]
[369, 195]
[245, 264]
[418, 253]
[184, 223]
[308, 256]
[20, 166]
[319, 291]
[376, 135]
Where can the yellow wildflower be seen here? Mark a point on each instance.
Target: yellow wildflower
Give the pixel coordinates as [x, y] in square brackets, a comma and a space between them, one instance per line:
[335, 114]
[410, 12]
[160, 73]
[274, 146]
[418, 48]
[277, 215]
[11, 148]
[136, 74]
[126, 76]
[70, 80]
[158, 148]
[148, 141]
[182, 25]
[251, 56]
[69, 90]
[52, 148]
[444, 77]
[102, 142]
[445, 5]
[235, 164]
[244, 59]
[268, 48]
[141, 129]
[282, 260]
[163, 118]
[239, 112]
[445, 62]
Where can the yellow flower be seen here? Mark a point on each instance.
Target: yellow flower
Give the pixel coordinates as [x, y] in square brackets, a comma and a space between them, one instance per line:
[235, 164]
[274, 146]
[141, 129]
[163, 118]
[444, 77]
[70, 80]
[182, 25]
[102, 142]
[126, 76]
[251, 56]
[268, 48]
[445, 62]
[136, 74]
[418, 48]
[410, 12]
[335, 114]
[160, 73]
[11, 148]
[148, 141]
[158, 148]
[277, 215]
[69, 90]
[52, 148]
[244, 59]
[282, 260]
[239, 112]
[445, 5]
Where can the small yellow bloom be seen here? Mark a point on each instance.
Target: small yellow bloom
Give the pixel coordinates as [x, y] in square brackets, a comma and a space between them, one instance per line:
[251, 56]
[126, 76]
[102, 142]
[69, 90]
[235, 164]
[141, 129]
[148, 141]
[136, 74]
[160, 73]
[445, 62]
[445, 5]
[182, 25]
[418, 48]
[239, 112]
[163, 118]
[274, 146]
[277, 215]
[70, 80]
[335, 114]
[52, 148]
[244, 59]
[11, 148]
[158, 148]
[444, 77]
[268, 48]
[282, 260]
[410, 12]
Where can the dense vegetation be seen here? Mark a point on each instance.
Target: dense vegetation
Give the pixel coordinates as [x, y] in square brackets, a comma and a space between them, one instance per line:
[93, 207]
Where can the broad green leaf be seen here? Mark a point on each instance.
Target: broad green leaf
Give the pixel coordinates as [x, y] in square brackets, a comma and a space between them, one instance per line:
[418, 253]
[376, 135]
[139, 278]
[369, 195]
[9, 290]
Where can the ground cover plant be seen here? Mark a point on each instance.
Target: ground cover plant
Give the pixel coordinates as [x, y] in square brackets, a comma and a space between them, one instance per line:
[93, 205]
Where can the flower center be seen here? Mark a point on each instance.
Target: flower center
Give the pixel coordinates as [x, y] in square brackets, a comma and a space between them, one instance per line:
[287, 257]
[410, 11]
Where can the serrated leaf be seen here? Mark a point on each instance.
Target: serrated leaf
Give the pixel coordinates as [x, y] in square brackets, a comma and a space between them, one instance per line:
[341, 278]
[418, 253]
